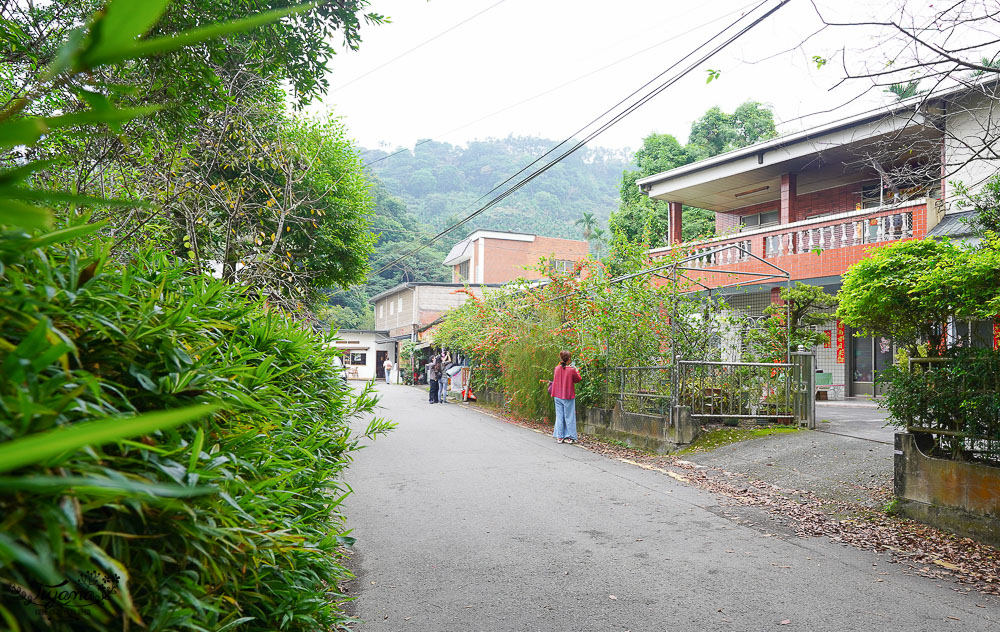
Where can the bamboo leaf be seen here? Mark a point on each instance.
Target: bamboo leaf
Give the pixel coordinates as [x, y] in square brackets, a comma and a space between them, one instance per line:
[70, 198]
[14, 213]
[168, 43]
[122, 22]
[45, 445]
[95, 485]
[67, 234]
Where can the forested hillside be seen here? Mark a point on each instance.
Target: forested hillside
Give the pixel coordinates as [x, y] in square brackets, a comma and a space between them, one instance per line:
[440, 183]
[422, 191]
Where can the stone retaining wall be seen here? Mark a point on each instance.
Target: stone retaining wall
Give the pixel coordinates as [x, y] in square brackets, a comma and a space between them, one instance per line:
[963, 498]
[656, 433]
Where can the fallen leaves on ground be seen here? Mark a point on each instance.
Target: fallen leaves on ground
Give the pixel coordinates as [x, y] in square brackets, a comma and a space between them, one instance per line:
[922, 549]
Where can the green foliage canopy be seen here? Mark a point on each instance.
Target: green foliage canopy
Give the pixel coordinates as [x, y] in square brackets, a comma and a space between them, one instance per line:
[908, 290]
[641, 219]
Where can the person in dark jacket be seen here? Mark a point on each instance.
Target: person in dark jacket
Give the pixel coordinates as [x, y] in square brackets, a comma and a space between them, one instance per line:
[433, 373]
[564, 379]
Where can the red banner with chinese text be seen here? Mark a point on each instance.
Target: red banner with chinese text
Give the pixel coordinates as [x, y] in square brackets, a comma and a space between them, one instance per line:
[840, 342]
[996, 331]
[829, 338]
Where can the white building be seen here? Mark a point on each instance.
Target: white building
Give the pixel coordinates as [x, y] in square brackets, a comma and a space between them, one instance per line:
[365, 353]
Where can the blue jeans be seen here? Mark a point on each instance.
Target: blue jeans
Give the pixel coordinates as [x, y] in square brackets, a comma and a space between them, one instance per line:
[443, 389]
[388, 377]
[565, 419]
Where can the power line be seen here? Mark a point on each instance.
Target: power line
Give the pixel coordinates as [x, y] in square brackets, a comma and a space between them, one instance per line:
[615, 119]
[420, 45]
[562, 85]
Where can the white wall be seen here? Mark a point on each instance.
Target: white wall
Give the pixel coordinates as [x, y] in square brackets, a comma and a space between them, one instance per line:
[364, 342]
[970, 121]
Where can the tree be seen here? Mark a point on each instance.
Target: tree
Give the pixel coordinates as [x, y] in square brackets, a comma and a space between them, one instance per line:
[641, 219]
[986, 204]
[587, 224]
[942, 46]
[599, 239]
[805, 306]
[903, 91]
[910, 289]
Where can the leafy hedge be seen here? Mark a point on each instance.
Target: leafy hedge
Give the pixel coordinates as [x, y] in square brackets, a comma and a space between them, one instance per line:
[230, 521]
[958, 394]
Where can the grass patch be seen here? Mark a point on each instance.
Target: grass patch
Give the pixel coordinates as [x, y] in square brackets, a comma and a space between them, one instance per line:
[718, 437]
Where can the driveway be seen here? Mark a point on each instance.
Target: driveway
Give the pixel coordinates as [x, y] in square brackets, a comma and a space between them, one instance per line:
[468, 523]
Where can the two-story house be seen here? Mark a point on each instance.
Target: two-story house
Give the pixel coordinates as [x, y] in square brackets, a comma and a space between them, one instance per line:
[487, 256]
[815, 202]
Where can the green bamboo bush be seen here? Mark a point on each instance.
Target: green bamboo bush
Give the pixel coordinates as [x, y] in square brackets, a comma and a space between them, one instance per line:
[230, 520]
[170, 447]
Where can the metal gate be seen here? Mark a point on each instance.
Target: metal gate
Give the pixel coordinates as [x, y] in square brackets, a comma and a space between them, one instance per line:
[761, 391]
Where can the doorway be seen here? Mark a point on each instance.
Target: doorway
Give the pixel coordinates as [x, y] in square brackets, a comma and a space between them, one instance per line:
[869, 355]
[380, 357]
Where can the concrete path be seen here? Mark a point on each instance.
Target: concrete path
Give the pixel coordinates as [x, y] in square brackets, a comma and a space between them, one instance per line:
[467, 523]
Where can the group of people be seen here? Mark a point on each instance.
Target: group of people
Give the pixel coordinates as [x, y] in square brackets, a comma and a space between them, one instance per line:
[562, 388]
[437, 377]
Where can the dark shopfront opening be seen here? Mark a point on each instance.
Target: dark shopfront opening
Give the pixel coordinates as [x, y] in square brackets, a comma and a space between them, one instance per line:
[868, 356]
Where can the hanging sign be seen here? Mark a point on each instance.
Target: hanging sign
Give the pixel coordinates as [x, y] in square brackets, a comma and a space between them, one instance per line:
[840, 342]
[829, 338]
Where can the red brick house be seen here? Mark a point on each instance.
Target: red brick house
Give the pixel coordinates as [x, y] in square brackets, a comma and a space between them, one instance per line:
[814, 202]
[487, 256]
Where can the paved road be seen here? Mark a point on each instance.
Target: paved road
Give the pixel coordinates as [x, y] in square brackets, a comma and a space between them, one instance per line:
[467, 523]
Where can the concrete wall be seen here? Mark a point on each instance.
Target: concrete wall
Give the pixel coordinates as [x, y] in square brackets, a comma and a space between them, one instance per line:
[963, 498]
[505, 260]
[395, 310]
[656, 433]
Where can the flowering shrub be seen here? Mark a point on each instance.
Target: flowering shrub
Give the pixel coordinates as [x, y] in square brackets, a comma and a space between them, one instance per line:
[513, 335]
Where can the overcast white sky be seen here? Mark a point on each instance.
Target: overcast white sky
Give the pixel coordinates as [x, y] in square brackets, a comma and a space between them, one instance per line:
[517, 55]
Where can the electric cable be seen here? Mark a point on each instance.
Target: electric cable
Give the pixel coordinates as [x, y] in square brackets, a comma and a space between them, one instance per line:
[562, 85]
[420, 45]
[615, 119]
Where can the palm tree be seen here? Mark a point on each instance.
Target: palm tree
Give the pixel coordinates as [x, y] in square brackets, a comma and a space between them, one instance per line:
[589, 223]
[599, 238]
[905, 90]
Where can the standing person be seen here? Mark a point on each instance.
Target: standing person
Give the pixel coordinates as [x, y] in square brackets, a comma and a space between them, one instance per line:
[433, 372]
[446, 364]
[387, 365]
[564, 377]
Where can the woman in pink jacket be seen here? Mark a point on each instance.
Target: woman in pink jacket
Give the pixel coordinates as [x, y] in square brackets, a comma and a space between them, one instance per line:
[563, 390]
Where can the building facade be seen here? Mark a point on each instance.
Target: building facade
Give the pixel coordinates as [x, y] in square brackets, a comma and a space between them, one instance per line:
[365, 352]
[493, 257]
[409, 307]
[812, 204]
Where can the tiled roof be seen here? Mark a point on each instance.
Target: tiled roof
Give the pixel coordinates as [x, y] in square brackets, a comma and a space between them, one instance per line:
[953, 225]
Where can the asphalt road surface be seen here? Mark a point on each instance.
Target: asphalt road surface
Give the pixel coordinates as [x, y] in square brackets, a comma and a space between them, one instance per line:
[467, 523]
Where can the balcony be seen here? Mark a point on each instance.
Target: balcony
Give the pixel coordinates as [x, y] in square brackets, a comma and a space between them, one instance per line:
[814, 247]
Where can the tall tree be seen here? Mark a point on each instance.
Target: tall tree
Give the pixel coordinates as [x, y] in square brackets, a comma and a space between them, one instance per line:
[639, 218]
[587, 224]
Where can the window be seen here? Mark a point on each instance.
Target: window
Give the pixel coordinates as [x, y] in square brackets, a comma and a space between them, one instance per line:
[750, 222]
[381, 310]
[391, 305]
[463, 270]
[399, 305]
[358, 358]
[871, 195]
[564, 266]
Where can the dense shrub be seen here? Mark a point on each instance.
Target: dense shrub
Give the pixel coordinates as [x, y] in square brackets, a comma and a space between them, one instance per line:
[231, 521]
[956, 394]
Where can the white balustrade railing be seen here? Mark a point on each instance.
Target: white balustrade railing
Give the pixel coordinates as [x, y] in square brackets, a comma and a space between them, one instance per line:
[852, 231]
